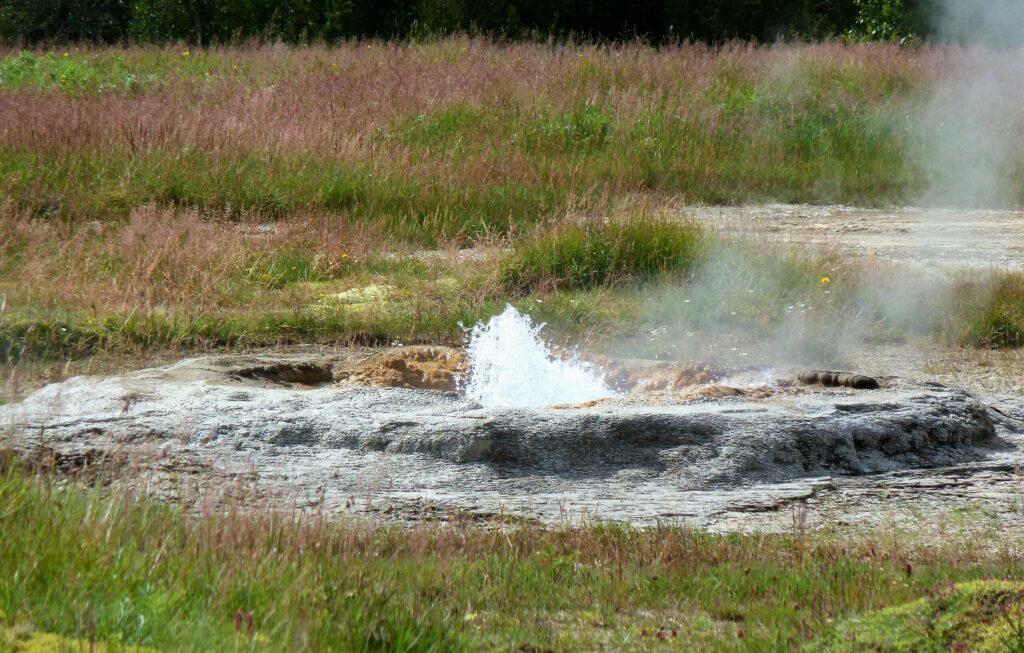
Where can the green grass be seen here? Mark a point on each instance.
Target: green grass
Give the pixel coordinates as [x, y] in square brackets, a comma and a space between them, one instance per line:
[152, 234]
[830, 157]
[441, 130]
[77, 186]
[530, 148]
[143, 573]
[497, 158]
[996, 311]
[77, 335]
[584, 128]
[598, 285]
[73, 74]
[578, 255]
[77, 72]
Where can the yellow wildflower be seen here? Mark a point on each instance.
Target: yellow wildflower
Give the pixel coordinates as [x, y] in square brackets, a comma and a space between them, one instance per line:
[185, 53]
[825, 281]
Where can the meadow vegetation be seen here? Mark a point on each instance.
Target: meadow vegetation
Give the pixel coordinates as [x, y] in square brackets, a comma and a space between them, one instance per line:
[575, 255]
[454, 139]
[283, 579]
[192, 198]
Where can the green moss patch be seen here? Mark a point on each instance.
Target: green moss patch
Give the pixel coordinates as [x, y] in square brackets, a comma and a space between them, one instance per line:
[24, 639]
[977, 616]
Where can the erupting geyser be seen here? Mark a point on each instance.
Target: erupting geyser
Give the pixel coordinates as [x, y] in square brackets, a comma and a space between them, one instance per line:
[511, 366]
[344, 425]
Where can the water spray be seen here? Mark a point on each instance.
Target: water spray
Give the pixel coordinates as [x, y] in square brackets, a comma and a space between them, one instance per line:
[511, 366]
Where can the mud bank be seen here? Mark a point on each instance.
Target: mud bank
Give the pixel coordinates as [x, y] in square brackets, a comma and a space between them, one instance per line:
[303, 429]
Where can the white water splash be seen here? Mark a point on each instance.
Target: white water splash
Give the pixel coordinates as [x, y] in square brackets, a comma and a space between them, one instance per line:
[511, 366]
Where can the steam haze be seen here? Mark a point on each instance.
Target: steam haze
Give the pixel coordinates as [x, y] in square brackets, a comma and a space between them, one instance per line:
[971, 124]
[968, 130]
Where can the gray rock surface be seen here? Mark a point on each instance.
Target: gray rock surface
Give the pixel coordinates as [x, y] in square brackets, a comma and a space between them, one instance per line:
[214, 421]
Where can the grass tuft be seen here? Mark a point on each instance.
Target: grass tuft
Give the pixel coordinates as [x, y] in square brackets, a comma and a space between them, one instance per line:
[992, 311]
[576, 255]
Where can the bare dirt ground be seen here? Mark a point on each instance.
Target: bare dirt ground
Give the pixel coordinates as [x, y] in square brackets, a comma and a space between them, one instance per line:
[931, 237]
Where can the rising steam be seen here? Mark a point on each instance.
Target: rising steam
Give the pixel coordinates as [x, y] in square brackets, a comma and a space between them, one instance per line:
[969, 154]
[967, 143]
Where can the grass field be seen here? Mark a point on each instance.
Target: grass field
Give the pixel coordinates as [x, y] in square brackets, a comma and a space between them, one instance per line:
[457, 138]
[175, 198]
[99, 566]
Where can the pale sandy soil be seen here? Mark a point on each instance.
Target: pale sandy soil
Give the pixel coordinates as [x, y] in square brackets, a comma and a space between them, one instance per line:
[931, 237]
[941, 239]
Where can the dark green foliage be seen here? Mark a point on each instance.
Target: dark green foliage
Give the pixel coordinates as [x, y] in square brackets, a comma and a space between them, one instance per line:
[293, 21]
[206, 21]
[33, 21]
[653, 20]
[583, 255]
[893, 20]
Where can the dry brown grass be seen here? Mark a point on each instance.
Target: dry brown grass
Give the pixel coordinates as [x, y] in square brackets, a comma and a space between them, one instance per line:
[162, 257]
[330, 101]
[272, 127]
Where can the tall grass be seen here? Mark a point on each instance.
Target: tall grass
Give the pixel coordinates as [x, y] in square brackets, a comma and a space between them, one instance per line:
[583, 254]
[104, 565]
[212, 197]
[457, 138]
[995, 306]
[177, 279]
[173, 278]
